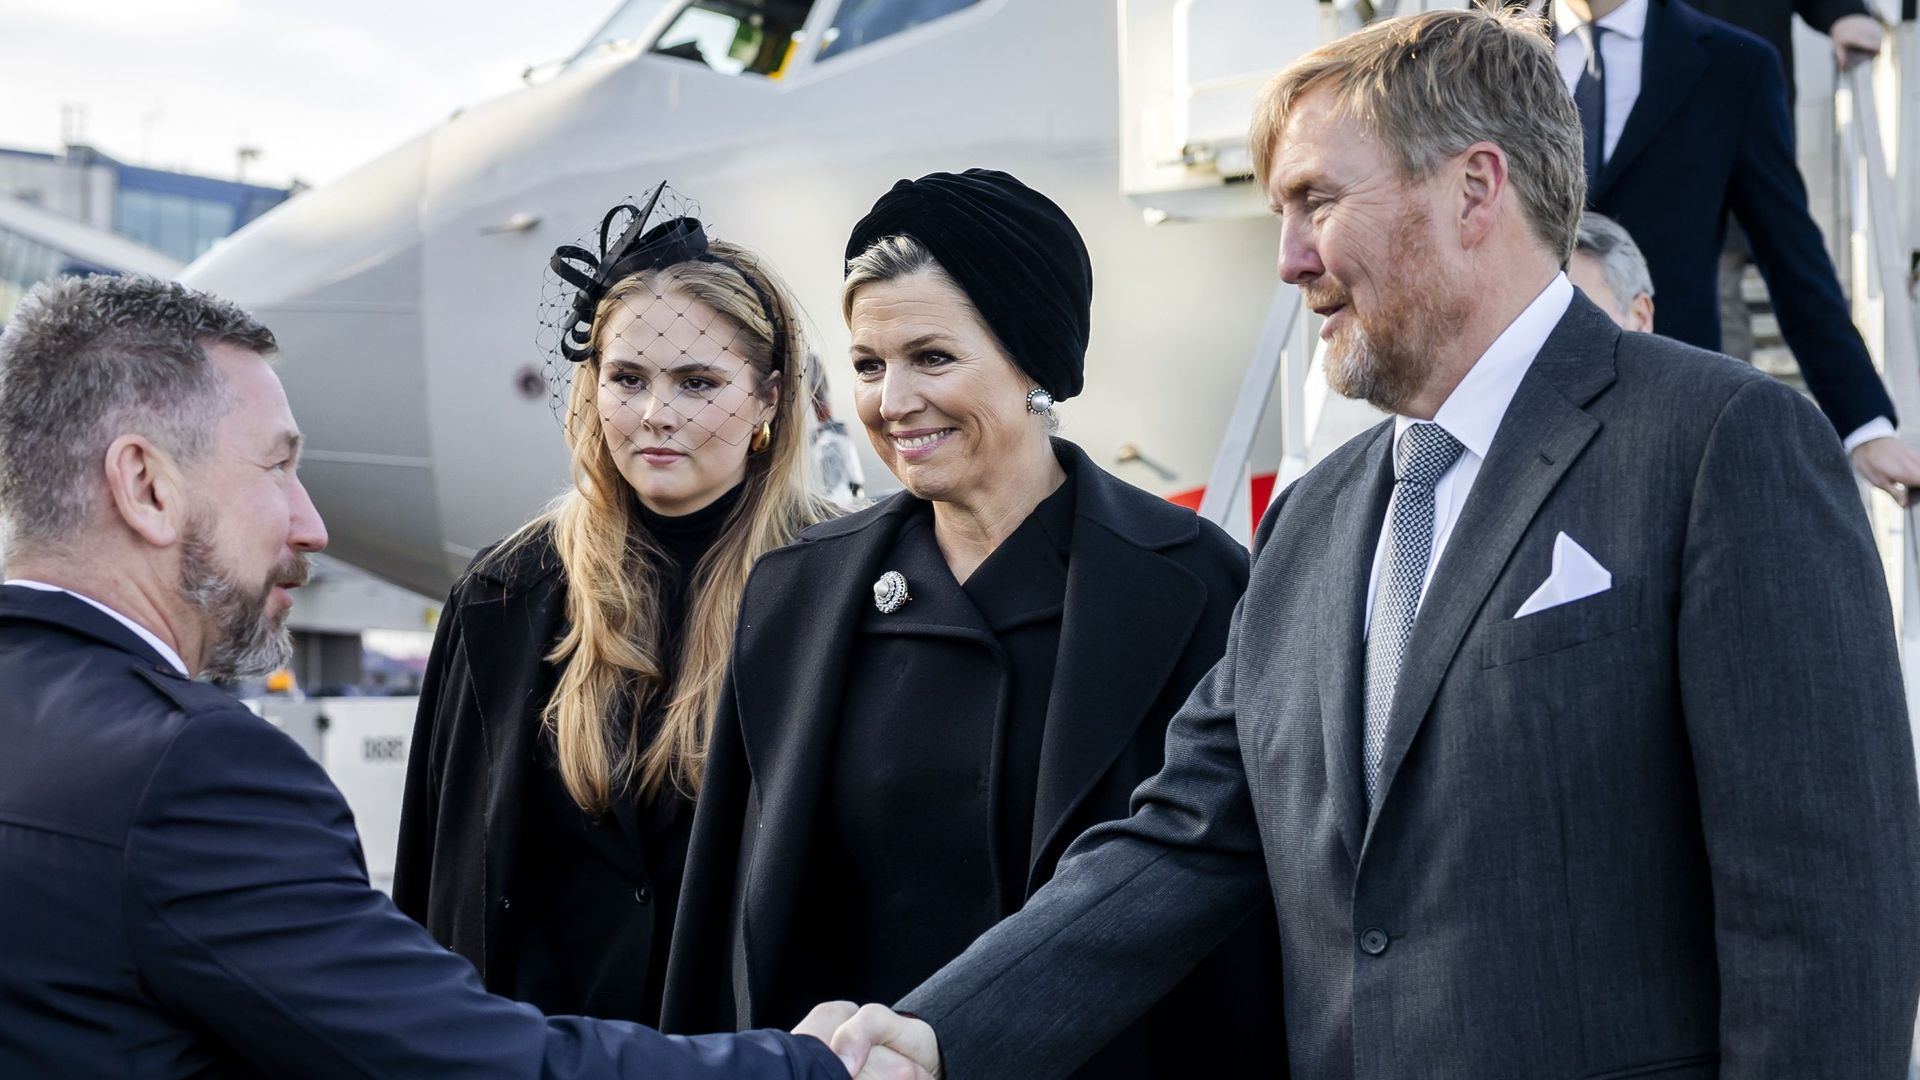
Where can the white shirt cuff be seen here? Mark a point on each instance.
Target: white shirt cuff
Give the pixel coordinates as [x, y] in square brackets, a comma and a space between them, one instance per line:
[1877, 428]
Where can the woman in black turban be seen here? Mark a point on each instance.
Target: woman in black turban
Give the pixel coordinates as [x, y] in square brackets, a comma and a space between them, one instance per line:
[930, 699]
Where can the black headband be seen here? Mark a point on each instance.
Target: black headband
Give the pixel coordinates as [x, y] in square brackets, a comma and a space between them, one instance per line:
[676, 240]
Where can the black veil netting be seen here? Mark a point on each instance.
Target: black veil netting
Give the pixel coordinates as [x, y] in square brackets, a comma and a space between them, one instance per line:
[671, 371]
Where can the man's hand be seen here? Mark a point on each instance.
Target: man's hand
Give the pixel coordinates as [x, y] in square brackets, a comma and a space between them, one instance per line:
[1854, 36]
[878, 1043]
[875, 1043]
[1890, 465]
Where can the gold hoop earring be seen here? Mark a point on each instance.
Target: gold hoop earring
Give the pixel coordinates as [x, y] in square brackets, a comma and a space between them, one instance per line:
[762, 437]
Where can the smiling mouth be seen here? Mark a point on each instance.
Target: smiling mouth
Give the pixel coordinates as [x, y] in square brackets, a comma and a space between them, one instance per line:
[920, 440]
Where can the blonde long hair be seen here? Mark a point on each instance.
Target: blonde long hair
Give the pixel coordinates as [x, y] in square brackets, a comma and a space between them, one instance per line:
[614, 657]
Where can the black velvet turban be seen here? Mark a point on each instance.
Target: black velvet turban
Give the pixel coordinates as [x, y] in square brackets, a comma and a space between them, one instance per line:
[1015, 255]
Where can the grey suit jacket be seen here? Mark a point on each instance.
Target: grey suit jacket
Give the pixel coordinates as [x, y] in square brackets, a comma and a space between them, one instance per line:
[1668, 830]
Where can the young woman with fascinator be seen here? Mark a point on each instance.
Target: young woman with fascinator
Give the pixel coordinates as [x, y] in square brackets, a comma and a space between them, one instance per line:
[565, 716]
[989, 662]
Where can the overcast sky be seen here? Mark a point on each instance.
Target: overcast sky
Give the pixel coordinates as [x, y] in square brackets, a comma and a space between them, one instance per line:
[317, 87]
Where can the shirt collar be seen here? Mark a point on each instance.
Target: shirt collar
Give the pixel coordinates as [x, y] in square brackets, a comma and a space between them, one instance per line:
[166, 651]
[1629, 20]
[1472, 413]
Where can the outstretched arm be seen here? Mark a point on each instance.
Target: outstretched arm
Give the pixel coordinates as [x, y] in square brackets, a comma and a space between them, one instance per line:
[250, 911]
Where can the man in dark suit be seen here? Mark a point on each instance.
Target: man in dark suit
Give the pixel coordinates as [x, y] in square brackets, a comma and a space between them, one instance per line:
[1850, 24]
[1685, 122]
[1562, 716]
[184, 890]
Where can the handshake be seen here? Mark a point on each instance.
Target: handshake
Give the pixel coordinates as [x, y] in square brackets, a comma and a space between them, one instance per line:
[874, 1042]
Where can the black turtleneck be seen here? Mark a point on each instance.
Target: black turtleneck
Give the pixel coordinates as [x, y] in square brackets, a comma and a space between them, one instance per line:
[600, 892]
[684, 540]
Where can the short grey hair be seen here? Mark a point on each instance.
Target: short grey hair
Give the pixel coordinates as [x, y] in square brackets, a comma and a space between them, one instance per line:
[1431, 85]
[1621, 262]
[87, 360]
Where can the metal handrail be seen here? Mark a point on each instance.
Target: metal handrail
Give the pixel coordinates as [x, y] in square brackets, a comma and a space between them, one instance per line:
[1901, 359]
[1230, 464]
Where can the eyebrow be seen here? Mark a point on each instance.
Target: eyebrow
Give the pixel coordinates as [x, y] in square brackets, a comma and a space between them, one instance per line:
[691, 367]
[287, 442]
[1294, 187]
[915, 345]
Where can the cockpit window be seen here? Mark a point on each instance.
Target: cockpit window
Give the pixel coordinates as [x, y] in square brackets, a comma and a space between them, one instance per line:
[627, 26]
[737, 37]
[863, 22]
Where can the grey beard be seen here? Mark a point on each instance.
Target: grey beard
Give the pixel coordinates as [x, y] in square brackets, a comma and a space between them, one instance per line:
[243, 644]
[1359, 371]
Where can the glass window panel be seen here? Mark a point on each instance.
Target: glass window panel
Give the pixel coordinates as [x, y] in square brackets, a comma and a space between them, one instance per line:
[737, 37]
[626, 27]
[863, 22]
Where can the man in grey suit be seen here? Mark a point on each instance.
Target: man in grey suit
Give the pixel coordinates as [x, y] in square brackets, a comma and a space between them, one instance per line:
[1562, 715]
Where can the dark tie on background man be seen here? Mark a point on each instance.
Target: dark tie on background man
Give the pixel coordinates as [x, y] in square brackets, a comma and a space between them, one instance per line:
[1590, 97]
[1426, 453]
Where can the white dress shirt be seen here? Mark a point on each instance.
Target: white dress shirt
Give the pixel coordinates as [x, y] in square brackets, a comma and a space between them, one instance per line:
[1621, 47]
[146, 635]
[1472, 414]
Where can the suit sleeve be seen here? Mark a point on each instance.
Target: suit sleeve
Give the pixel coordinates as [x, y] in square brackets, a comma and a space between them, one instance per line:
[1770, 201]
[250, 912]
[1133, 907]
[1804, 760]
[420, 801]
[1822, 14]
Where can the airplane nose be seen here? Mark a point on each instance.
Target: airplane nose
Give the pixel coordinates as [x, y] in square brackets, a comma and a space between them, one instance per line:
[335, 274]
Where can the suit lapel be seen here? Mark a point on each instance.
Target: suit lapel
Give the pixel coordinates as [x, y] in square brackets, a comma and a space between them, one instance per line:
[1358, 515]
[1672, 61]
[1109, 653]
[1543, 432]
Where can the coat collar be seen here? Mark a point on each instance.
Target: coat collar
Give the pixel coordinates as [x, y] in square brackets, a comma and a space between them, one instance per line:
[1544, 431]
[1672, 61]
[57, 609]
[1108, 653]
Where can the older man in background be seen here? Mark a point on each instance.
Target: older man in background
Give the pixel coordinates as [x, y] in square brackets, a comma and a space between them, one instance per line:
[1607, 266]
[1562, 716]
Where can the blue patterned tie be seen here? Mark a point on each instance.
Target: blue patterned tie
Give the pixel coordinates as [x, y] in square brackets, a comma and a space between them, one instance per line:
[1426, 453]
[1590, 97]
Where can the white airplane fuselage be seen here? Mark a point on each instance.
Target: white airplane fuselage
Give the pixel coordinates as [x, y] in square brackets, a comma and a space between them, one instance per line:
[407, 305]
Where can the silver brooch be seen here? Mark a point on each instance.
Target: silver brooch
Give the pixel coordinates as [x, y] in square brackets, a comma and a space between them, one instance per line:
[890, 592]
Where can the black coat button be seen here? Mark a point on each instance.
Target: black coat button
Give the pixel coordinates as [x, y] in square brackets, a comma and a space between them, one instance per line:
[506, 902]
[643, 894]
[1373, 941]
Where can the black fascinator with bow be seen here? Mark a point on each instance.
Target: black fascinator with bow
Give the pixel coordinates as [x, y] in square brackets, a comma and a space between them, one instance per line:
[677, 239]
[673, 349]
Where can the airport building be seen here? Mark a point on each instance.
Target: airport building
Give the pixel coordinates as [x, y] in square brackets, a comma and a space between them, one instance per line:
[82, 211]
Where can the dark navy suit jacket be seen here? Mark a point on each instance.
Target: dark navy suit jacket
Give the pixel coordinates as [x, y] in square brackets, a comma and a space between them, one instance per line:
[1710, 135]
[182, 893]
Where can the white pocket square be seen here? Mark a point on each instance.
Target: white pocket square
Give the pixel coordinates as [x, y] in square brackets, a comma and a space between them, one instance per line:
[1576, 575]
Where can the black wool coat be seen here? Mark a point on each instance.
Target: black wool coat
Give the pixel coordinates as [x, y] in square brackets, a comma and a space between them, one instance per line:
[1150, 591]
[476, 746]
